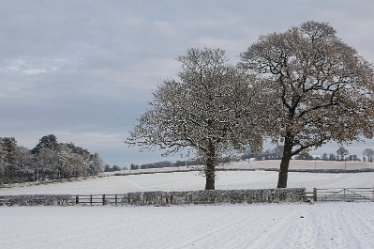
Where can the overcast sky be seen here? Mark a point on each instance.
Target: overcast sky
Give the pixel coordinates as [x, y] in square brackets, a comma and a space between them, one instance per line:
[85, 70]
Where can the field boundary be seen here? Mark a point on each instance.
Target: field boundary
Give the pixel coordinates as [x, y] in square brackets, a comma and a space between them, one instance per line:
[160, 198]
[325, 171]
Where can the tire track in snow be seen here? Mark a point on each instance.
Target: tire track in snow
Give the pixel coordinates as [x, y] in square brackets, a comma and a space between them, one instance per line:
[360, 225]
[207, 236]
[77, 227]
[299, 231]
[238, 233]
[325, 225]
[316, 231]
[272, 237]
[165, 232]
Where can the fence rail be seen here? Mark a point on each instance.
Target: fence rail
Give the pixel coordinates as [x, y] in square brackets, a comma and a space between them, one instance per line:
[343, 194]
[115, 199]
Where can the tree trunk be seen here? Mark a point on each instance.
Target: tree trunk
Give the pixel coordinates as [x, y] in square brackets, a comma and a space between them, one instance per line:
[210, 173]
[285, 162]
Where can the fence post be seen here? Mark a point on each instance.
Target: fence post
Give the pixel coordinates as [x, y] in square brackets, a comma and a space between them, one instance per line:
[115, 199]
[314, 194]
[104, 200]
[91, 200]
[77, 199]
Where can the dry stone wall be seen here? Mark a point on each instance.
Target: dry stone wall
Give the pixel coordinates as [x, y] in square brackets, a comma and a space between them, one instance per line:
[167, 198]
[216, 197]
[34, 200]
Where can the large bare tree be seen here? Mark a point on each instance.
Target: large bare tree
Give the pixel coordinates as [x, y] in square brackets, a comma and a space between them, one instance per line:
[369, 153]
[320, 88]
[209, 109]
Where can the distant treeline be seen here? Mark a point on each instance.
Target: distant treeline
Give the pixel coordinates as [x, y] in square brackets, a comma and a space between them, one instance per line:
[276, 153]
[165, 164]
[47, 161]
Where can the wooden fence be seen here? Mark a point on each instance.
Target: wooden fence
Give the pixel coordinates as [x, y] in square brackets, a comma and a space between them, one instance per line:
[113, 199]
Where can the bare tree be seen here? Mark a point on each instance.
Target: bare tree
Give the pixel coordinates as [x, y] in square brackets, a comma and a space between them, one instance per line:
[342, 152]
[321, 90]
[95, 165]
[72, 164]
[208, 109]
[46, 163]
[369, 153]
[25, 164]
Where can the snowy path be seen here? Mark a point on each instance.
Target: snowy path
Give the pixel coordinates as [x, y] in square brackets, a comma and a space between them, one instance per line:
[195, 181]
[326, 225]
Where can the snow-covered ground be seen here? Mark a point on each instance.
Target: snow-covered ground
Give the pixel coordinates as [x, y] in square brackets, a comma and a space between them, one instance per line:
[322, 225]
[249, 164]
[180, 181]
[325, 225]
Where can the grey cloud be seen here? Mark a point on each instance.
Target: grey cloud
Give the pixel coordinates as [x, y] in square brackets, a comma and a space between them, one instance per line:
[86, 69]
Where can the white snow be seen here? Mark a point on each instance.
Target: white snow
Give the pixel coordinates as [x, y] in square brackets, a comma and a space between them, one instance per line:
[289, 226]
[195, 181]
[253, 164]
[326, 225]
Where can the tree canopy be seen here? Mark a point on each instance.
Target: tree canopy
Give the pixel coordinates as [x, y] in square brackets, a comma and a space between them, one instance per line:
[209, 108]
[321, 90]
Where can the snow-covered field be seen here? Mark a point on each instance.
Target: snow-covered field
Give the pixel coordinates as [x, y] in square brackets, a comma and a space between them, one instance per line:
[322, 225]
[180, 181]
[249, 164]
[326, 225]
